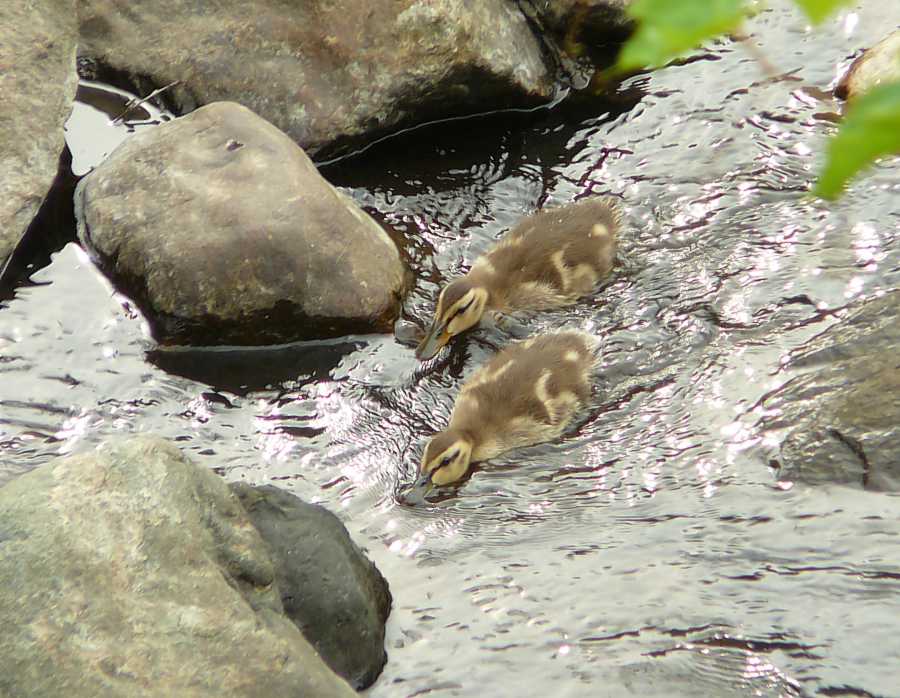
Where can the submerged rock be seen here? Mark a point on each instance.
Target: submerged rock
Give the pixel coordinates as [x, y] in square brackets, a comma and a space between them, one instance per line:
[37, 81]
[331, 74]
[223, 232]
[131, 571]
[329, 588]
[842, 415]
[878, 65]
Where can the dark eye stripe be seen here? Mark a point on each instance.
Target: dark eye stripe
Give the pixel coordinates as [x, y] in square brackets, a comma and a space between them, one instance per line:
[464, 308]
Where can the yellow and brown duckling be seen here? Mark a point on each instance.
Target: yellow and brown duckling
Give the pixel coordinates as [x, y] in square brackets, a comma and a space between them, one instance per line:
[548, 260]
[528, 393]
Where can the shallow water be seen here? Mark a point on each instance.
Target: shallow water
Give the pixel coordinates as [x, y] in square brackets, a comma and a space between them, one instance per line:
[652, 551]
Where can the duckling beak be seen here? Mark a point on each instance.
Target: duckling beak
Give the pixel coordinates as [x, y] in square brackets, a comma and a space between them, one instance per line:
[436, 338]
[423, 485]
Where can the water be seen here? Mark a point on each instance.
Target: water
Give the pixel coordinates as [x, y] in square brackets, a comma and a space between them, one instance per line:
[652, 551]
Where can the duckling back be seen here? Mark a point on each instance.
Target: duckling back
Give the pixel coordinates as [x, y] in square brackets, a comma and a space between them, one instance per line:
[553, 257]
[528, 393]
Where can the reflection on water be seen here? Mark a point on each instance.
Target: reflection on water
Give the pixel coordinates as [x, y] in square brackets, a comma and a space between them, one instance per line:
[102, 118]
[651, 551]
[242, 370]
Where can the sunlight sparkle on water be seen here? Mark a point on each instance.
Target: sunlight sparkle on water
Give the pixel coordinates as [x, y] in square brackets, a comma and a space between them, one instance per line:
[761, 668]
[651, 480]
[409, 547]
[275, 444]
[854, 287]
[337, 415]
[709, 472]
[735, 310]
[730, 429]
[746, 191]
[74, 429]
[867, 244]
[771, 441]
[198, 410]
[442, 529]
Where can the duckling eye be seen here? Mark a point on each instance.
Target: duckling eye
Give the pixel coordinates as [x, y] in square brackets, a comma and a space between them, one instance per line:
[447, 460]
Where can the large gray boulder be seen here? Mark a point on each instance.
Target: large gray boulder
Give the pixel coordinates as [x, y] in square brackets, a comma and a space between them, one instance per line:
[131, 571]
[37, 84]
[330, 73]
[839, 420]
[223, 232]
[329, 588]
[878, 65]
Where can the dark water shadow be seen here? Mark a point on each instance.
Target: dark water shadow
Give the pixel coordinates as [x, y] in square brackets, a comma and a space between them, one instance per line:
[51, 229]
[242, 370]
[422, 156]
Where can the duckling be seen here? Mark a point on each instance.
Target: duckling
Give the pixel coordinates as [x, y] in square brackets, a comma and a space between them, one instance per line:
[528, 393]
[548, 260]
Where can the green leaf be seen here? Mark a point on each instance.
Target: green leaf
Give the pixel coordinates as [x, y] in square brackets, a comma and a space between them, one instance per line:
[669, 28]
[817, 10]
[871, 129]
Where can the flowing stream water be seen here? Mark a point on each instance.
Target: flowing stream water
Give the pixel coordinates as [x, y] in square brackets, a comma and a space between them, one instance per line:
[650, 552]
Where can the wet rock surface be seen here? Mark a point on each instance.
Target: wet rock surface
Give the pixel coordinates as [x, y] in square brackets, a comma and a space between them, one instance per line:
[582, 36]
[582, 23]
[131, 571]
[329, 588]
[329, 74]
[843, 412]
[223, 231]
[37, 81]
[878, 65]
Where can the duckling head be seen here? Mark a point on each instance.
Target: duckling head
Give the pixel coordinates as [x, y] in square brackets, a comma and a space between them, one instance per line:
[445, 460]
[460, 306]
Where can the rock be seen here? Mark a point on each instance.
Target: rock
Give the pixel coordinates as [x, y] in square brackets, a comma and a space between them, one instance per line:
[223, 232]
[879, 64]
[583, 22]
[131, 571]
[842, 416]
[329, 588]
[583, 35]
[332, 74]
[37, 81]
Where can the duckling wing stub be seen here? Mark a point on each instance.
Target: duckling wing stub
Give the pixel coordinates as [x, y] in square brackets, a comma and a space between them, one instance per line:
[528, 393]
[556, 256]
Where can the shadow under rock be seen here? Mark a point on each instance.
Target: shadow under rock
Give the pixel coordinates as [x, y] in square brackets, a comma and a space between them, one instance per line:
[241, 370]
[49, 231]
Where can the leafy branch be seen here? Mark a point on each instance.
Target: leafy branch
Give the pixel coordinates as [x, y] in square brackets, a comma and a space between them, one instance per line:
[667, 29]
